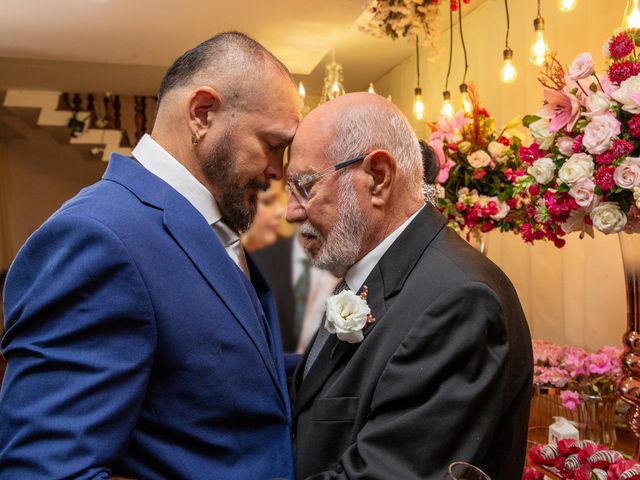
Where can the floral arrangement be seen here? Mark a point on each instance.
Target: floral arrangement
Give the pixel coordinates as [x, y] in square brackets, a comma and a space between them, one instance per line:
[583, 169]
[575, 370]
[579, 460]
[406, 18]
[477, 168]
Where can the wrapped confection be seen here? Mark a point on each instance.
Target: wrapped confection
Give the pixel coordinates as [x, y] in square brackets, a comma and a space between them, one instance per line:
[547, 455]
[604, 458]
[623, 466]
[571, 463]
[582, 473]
[588, 450]
[631, 474]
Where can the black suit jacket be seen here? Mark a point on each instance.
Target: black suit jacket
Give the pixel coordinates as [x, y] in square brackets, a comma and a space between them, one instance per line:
[275, 263]
[443, 374]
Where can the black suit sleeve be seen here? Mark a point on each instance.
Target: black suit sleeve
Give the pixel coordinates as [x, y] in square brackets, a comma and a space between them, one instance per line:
[436, 399]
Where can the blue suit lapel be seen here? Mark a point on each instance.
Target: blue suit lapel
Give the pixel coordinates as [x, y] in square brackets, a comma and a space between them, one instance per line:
[192, 233]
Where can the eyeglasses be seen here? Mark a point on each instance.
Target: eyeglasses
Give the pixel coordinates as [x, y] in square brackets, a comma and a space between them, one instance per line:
[300, 185]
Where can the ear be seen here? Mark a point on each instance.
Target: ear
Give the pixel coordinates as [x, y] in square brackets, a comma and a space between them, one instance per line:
[204, 103]
[380, 166]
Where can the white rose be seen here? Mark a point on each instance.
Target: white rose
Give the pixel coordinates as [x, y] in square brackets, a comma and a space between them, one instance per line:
[581, 67]
[504, 209]
[543, 170]
[346, 316]
[540, 133]
[479, 159]
[627, 174]
[579, 165]
[497, 150]
[583, 193]
[624, 94]
[597, 104]
[608, 218]
[565, 145]
[600, 132]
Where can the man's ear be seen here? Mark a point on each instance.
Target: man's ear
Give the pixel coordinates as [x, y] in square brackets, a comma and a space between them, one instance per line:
[380, 165]
[204, 102]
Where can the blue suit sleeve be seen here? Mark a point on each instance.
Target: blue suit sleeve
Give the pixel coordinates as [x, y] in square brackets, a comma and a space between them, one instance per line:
[79, 342]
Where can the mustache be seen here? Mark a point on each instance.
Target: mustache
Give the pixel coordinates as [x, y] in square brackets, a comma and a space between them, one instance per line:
[259, 185]
[307, 229]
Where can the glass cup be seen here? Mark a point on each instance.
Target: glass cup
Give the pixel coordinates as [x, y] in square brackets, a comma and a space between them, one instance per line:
[465, 471]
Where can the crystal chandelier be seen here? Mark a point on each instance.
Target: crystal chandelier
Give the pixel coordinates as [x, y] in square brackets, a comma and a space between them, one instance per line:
[333, 86]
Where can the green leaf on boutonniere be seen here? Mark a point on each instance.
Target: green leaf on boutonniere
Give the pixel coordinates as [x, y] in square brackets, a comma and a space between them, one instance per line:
[333, 349]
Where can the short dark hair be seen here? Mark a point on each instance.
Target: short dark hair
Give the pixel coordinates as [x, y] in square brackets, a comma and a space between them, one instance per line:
[221, 50]
[429, 162]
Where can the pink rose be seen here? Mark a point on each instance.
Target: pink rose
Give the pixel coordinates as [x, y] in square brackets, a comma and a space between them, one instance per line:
[600, 133]
[570, 399]
[627, 174]
[583, 192]
[565, 145]
[581, 67]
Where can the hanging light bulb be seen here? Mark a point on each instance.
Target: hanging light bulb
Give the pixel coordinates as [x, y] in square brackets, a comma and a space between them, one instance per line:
[447, 108]
[464, 98]
[567, 5]
[539, 47]
[631, 18]
[302, 93]
[508, 72]
[371, 89]
[418, 104]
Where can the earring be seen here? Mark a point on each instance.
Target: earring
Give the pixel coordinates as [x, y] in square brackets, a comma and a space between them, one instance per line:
[195, 138]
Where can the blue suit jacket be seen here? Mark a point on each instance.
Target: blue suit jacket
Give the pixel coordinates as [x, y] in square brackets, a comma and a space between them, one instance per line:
[135, 347]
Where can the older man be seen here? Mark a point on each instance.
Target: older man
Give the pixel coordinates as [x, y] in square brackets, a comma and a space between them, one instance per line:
[139, 341]
[444, 372]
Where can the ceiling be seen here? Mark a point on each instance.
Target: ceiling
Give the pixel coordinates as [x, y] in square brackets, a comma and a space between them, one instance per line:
[124, 46]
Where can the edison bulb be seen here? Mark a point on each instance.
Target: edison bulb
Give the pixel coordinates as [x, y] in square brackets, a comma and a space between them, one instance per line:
[465, 101]
[447, 108]
[418, 104]
[539, 47]
[631, 18]
[508, 72]
[567, 5]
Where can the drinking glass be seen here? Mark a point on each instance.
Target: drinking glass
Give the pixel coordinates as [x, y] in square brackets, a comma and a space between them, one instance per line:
[465, 471]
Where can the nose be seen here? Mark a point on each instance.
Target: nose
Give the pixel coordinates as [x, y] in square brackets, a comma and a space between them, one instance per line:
[275, 167]
[295, 211]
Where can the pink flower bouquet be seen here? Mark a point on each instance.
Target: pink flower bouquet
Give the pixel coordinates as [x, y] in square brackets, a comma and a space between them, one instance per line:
[583, 169]
[477, 168]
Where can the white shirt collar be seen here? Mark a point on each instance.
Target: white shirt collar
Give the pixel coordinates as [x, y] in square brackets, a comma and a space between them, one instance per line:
[360, 270]
[163, 165]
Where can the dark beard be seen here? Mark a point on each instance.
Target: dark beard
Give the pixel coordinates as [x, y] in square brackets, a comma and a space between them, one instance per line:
[221, 171]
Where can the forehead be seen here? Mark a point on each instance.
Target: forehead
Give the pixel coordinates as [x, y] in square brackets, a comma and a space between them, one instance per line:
[308, 150]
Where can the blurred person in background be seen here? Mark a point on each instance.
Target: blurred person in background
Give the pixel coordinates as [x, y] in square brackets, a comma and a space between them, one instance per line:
[266, 224]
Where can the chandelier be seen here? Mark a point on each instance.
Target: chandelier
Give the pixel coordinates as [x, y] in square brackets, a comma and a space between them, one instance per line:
[333, 86]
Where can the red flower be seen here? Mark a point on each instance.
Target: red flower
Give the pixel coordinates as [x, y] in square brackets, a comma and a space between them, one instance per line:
[486, 227]
[619, 72]
[604, 178]
[504, 140]
[634, 126]
[577, 143]
[480, 174]
[621, 46]
[605, 158]
[530, 154]
[621, 148]
[512, 202]
[534, 190]
[460, 207]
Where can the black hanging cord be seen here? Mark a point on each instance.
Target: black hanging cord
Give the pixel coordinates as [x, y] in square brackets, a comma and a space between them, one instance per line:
[506, 9]
[446, 85]
[418, 59]
[464, 47]
[538, 7]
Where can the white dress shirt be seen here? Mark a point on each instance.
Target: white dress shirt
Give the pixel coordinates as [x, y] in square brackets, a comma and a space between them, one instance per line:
[360, 270]
[321, 285]
[163, 165]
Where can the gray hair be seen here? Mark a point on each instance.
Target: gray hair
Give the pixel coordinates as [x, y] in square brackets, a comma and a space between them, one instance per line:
[365, 128]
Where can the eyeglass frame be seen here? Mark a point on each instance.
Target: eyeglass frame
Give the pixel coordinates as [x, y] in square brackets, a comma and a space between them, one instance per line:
[299, 186]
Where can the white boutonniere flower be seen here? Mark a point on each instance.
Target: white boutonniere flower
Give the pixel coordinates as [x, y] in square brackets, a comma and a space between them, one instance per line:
[347, 316]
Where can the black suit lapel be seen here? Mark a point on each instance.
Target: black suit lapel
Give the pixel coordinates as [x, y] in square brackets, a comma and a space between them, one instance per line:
[384, 282]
